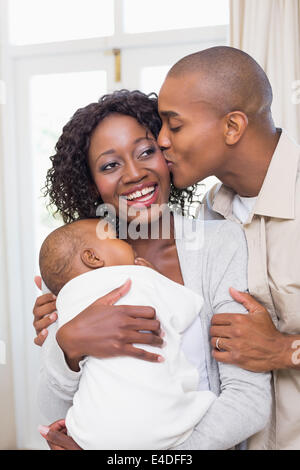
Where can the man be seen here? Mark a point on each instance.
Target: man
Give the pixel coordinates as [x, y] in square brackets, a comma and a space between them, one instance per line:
[215, 107]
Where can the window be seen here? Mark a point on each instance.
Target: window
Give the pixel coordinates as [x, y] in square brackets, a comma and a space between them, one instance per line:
[158, 15]
[38, 21]
[151, 78]
[54, 100]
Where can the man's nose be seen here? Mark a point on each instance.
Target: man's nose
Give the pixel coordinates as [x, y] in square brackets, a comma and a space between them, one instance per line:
[163, 138]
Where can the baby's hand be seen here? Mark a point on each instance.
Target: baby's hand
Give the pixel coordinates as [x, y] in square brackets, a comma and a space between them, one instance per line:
[142, 262]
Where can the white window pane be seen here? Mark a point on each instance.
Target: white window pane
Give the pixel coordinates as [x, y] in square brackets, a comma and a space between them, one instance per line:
[38, 21]
[142, 16]
[53, 100]
[152, 78]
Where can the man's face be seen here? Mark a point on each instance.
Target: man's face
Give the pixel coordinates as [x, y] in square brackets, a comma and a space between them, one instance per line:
[192, 131]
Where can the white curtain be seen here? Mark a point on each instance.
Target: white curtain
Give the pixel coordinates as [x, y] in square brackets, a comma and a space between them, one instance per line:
[7, 419]
[269, 30]
[7, 422]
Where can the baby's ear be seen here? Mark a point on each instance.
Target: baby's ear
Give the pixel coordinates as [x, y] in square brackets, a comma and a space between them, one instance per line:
[91, 259]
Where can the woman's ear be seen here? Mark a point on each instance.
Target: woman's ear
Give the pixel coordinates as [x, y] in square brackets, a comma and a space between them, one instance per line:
[91, 259]
[235, 125]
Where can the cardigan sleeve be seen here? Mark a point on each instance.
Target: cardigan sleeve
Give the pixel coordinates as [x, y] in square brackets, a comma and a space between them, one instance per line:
[244, 404]
[57, 382]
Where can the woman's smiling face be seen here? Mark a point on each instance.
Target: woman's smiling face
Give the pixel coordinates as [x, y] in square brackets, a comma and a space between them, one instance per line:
[126, 162]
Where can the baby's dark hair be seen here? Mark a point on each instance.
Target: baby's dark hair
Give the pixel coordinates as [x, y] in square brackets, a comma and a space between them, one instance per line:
[57, 254]
[69, 183]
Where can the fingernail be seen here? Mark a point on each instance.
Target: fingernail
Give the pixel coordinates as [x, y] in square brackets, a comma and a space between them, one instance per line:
[54, 296]
[44, 332]
[162, 333]
[43, 430]
[53, 316]
[160, 359]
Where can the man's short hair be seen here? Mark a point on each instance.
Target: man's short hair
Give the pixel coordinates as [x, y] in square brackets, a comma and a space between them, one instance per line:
[234, 81]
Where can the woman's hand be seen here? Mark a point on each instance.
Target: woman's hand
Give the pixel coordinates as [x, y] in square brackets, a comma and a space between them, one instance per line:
[57, 438]
[44, 312]
[105, 330]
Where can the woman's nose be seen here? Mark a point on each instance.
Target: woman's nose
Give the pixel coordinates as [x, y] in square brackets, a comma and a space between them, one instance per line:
[133, 172]
[163, 138]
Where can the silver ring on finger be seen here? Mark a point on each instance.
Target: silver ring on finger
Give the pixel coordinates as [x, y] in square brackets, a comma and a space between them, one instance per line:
[218, 344]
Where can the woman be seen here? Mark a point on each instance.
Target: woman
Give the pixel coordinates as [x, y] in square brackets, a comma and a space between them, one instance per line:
[107, 153]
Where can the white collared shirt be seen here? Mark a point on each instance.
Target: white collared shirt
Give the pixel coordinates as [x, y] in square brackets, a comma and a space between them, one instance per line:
[242, 207]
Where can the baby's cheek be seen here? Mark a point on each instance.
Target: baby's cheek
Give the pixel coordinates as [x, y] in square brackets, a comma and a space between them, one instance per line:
[124, 254]
[128, 257]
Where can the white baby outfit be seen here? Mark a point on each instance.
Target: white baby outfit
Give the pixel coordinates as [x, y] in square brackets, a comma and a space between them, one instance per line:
[129, 403]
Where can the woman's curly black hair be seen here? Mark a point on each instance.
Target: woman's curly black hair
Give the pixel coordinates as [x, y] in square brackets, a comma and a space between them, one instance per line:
[69, 183]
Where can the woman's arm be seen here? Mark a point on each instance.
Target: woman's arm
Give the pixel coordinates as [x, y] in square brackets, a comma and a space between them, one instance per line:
[57, 382]
[241, 410]
[244, 405]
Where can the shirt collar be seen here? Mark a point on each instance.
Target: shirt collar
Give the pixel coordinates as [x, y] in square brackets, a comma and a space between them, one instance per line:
[277, 194]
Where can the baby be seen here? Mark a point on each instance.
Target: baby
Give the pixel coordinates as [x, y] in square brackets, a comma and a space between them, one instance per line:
[123, 402]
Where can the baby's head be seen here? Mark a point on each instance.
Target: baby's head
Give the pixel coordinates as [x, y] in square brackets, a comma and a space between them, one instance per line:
[76, 248]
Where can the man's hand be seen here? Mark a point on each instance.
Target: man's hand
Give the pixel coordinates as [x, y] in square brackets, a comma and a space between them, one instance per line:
[57, 438]
[249, 341]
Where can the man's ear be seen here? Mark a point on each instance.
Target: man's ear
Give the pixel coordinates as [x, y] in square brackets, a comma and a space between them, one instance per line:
[235, 125]
[91, 259]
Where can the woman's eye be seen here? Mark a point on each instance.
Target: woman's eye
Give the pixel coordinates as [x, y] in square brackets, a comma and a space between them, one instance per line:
[148, 152]
[108, 166]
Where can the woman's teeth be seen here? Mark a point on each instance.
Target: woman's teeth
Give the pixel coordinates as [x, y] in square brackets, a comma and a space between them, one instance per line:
[147, 192]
